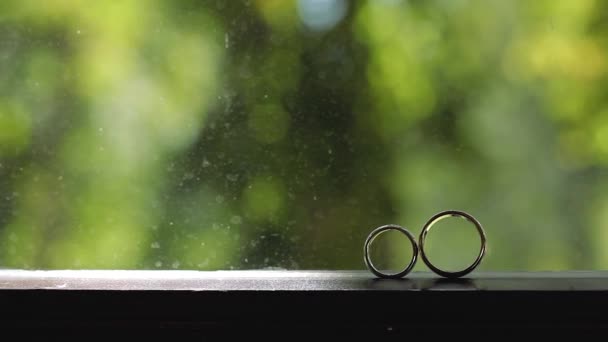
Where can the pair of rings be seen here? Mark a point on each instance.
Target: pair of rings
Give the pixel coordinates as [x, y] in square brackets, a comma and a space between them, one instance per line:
[436, 218]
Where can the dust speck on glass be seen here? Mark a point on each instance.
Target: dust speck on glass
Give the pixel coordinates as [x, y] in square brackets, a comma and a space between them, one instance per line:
[277, 134]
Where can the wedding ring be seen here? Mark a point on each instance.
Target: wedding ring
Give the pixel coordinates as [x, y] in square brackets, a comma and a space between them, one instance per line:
[438, 217]
[373, 235]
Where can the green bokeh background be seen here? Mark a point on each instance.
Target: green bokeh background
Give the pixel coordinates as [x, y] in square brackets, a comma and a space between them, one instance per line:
[238, 135]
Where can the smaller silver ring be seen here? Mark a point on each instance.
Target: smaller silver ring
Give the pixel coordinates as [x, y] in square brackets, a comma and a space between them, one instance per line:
[438, 217]
[374, 234]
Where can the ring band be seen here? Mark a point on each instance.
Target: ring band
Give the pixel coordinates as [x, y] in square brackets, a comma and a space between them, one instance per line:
[373, 235]
[438, 217]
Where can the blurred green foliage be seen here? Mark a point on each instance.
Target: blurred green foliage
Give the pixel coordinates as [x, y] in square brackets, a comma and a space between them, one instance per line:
[272, 133]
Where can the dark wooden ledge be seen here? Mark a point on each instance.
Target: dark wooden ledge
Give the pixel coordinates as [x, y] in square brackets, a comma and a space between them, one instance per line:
[185, 303]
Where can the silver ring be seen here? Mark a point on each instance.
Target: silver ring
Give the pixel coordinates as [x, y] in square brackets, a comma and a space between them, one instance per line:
[373, 235]
[438, 217]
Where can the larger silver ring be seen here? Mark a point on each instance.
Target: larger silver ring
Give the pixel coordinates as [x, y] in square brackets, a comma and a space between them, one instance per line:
[438, 217]
[374, 234]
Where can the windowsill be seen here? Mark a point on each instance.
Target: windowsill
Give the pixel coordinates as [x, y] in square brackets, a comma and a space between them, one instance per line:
[193, 303]
[275, 280]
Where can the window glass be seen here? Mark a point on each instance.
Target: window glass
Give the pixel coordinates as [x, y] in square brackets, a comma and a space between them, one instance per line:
[278, 134]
